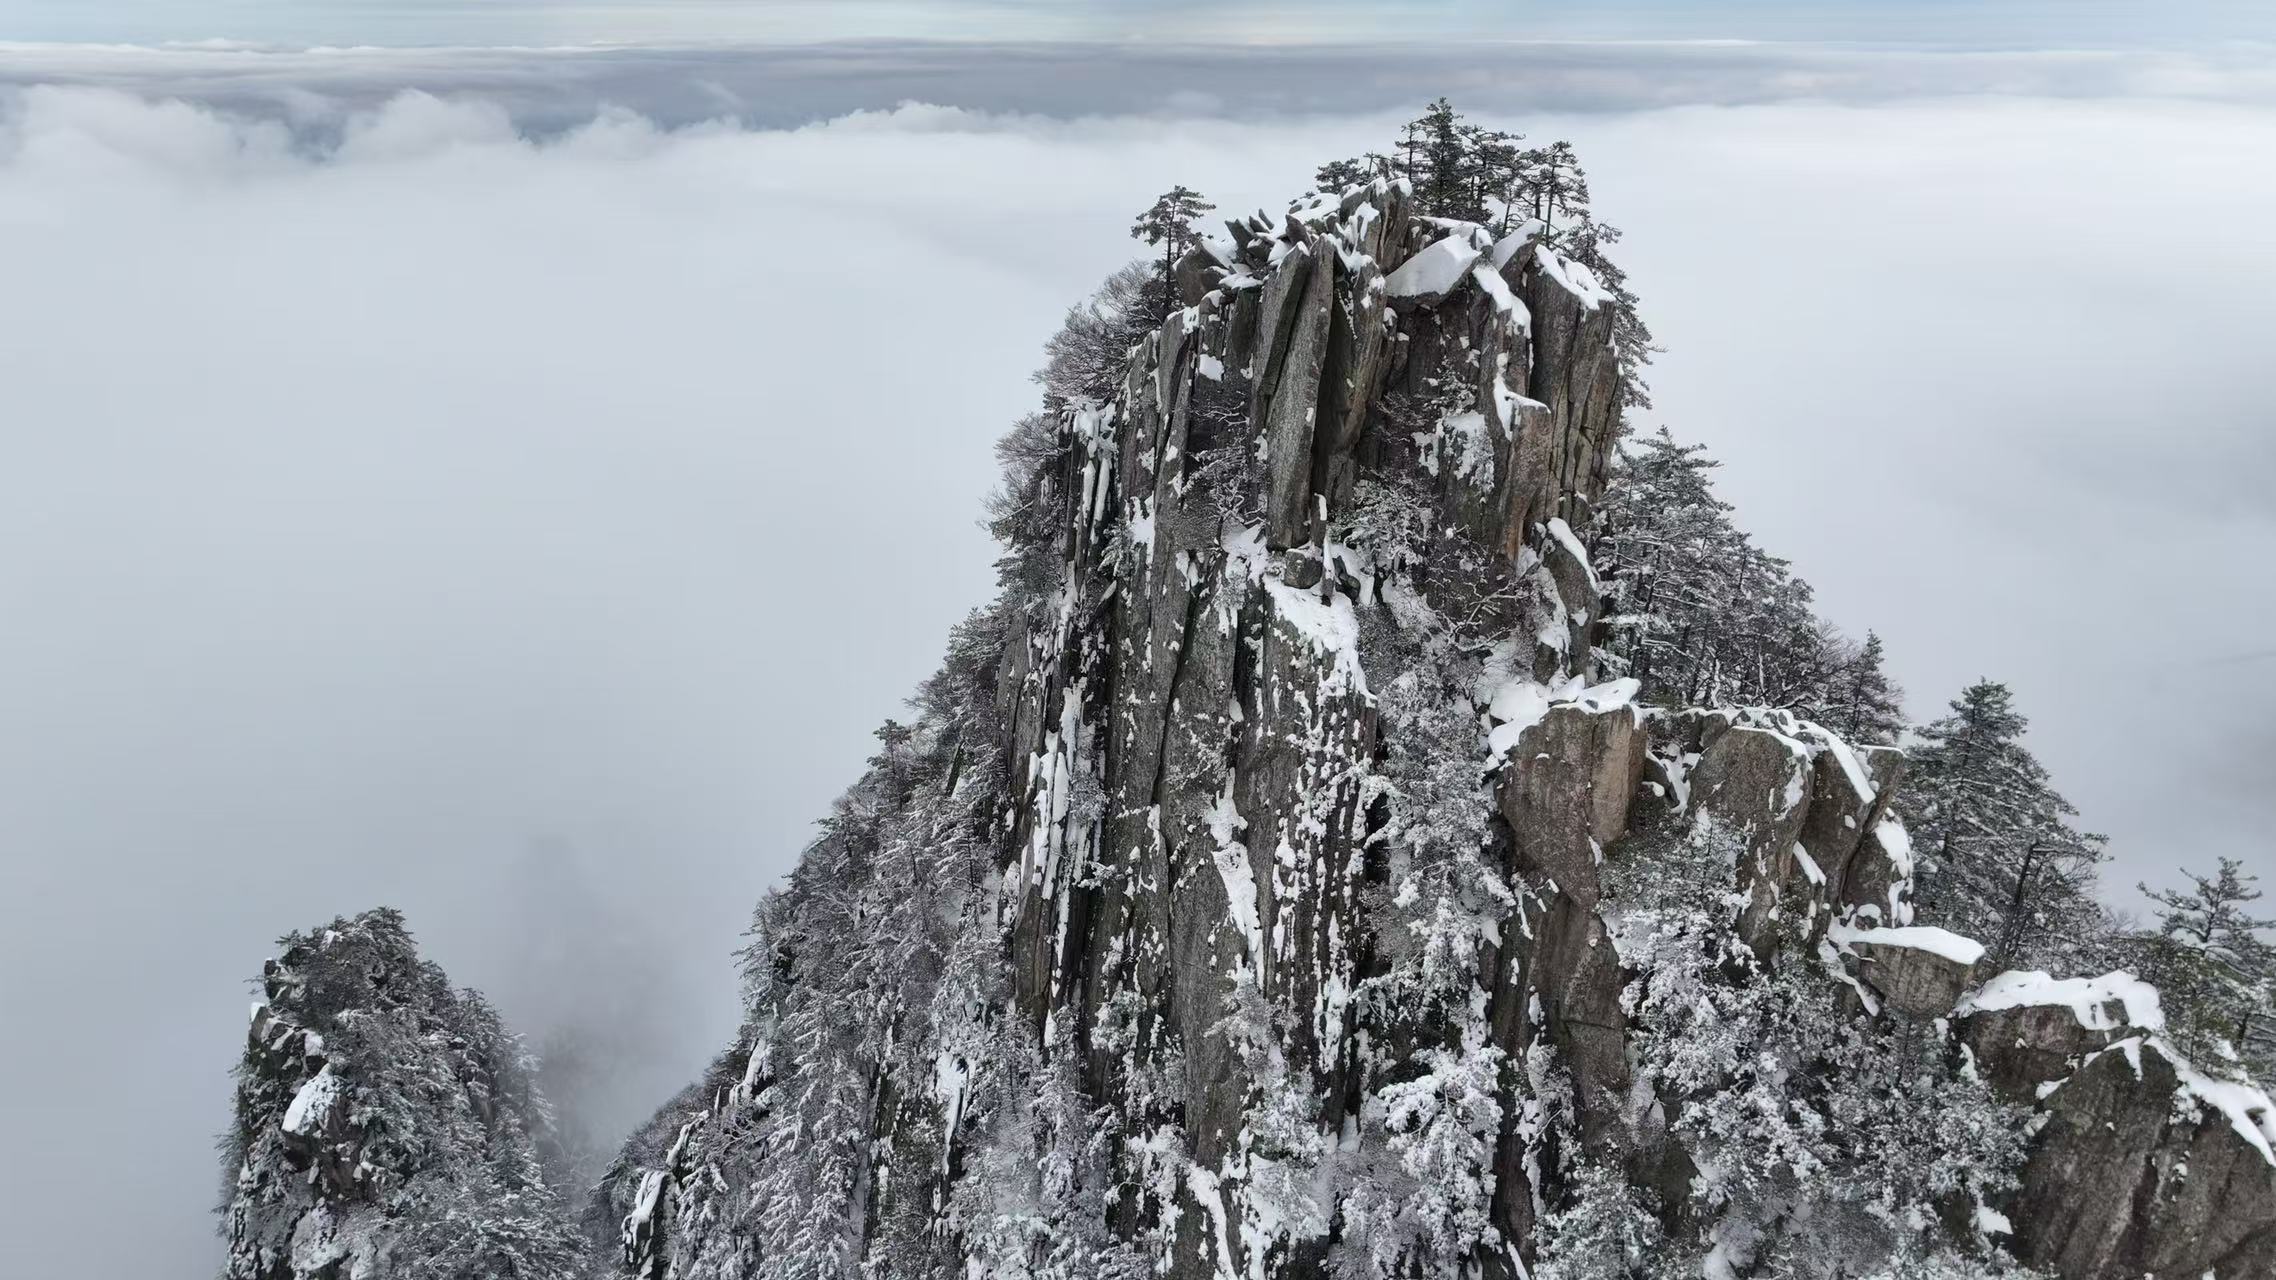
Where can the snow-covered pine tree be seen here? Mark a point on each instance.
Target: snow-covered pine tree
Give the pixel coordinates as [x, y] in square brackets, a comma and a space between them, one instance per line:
[2216, 970]
[1169, 223]
[2001, 861]
[1701, 615]
[1862, 703]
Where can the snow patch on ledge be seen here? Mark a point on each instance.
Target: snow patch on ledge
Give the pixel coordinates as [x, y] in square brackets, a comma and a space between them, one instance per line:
[1520, 704]
[312, 1107]
[1573, 277]
[1436, 269]
[2089, 999]
[1918, 937]
[1328, 626]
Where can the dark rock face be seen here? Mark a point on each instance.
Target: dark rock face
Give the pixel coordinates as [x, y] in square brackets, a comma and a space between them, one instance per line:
[2024, 1030]
[1915, 977]
[1849, 795]
[2138, 1172]
[1756, 782]
[1566, 792]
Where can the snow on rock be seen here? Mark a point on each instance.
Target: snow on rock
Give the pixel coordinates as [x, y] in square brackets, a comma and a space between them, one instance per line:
[312, 1107]
[1436, 271]
[1940, 942]
[2246, 1108]
[1508, 246]
[1563, 533]
[1231, 858]
[1518, 704]
[1918, 971]
[1462, 438]
[1489, 281]
[2108, 1003]
[952, 1084]
[1328, 626]
[1573, 277]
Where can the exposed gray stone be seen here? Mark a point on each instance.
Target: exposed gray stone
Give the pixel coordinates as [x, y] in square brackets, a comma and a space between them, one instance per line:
[2132, 1176]
[1876, 887]
[2023, 1030]
[1565, 793]
[1196, 274]
[1291, 412]
[1756, 783]
[1916, 981]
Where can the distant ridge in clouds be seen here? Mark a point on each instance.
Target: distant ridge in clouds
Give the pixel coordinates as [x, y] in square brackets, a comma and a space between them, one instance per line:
[549, 89]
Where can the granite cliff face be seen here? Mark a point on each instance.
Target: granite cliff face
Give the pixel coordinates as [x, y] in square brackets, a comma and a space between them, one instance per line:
[1271, 884]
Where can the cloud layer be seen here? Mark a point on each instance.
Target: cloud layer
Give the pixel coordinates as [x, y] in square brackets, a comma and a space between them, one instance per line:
[550, 89]
[529, 533]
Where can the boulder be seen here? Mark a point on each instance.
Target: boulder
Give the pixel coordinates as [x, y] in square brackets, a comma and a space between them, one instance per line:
[1435, 273]
[2145, 1168]
[2025, 1029]
[1195, 275]
[1919, 972]
[1565, 792]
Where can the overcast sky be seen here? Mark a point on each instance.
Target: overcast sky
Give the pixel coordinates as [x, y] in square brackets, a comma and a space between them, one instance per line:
[2035, 23]
[394, 508]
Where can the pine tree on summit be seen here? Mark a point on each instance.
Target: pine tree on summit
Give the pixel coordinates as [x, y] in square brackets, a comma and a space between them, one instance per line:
[1170, 224]
[2002, 862]
[1864, 704]
[1487, 176]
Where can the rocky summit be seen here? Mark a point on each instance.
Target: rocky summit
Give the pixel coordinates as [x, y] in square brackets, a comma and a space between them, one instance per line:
[1286, 875]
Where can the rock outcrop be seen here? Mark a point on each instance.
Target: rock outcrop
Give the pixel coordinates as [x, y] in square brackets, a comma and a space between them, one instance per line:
[1272, 884]
[2146, 1168]
[1284, 800]
[385, 1124]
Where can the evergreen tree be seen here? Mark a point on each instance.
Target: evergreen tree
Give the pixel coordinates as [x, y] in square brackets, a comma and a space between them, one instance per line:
[1702, 616]
[1170, 224]
[2001, 861]
[1864, 704]
[2216, 973]
[1338, 176]
[1556, 185]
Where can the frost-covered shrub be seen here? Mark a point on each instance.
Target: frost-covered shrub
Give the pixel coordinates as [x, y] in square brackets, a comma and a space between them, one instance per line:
[1823, 1140]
